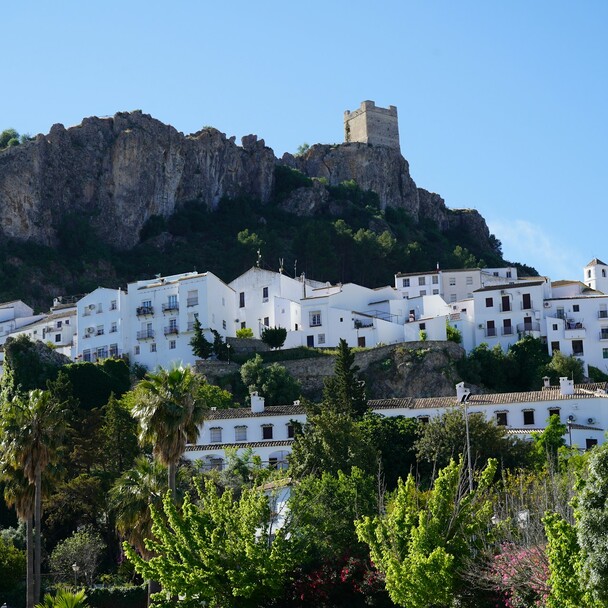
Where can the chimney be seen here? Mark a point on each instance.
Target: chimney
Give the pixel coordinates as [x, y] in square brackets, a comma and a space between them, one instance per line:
[462, 393]
[257, 403]
[546, 382]
[566, 386]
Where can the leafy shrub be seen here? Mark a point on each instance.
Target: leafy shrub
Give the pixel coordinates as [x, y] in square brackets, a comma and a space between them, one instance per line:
[274, 337]
[286, 180]
[244, 333]
[118, 597]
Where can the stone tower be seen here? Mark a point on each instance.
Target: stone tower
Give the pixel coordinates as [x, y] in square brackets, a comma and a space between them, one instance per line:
[372, 125]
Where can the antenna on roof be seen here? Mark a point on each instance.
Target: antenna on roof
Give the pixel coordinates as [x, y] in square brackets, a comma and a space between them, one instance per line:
[295, 269]
[281, 265]
[259, 259]
[157, 275]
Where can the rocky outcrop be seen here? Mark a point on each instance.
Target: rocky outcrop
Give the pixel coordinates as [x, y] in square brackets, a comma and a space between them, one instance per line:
[117, 172]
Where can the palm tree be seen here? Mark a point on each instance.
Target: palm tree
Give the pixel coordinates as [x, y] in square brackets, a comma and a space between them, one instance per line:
[19, 493]
[64, 599]
[130, 499]
[32, 430]
[169, 411]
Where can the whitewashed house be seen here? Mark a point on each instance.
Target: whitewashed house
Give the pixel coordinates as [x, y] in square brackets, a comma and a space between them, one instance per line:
[160, 315]
[15, 315]
[269, 431]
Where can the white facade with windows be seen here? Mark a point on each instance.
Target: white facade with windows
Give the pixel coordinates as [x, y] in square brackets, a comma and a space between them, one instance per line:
[268, 431]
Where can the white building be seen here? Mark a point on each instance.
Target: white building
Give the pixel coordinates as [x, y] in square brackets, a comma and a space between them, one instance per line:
[268, 431]
[13, 316]
[596, 275]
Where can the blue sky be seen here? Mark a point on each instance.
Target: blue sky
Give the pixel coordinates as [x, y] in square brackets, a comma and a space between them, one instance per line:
[502, 106]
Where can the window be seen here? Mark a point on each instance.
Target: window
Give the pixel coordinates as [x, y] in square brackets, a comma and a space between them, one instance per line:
[604, 333]
[264, 294]
[240, 433]
[223, 324]
[172, 344]
[554, 346]
[321, 339]
[507, 328]
[589, 274]
[577, 348]
[489, 302]
[113, 350]
[603, 314]
[554, 326]
[215, 434]
[528, 417]
[501, 418]
[102, 352]
[405, 283]
[423, 419]
[267, 321]
[469, 280]
[153, 347]
[173, 325]
[242, 299]
[452, 280]
[421, 280]
[435, 280]
[58, 324]
[553, 411]
[505, 304]
[453, 297]
[99, 308]
[423, 292]
[113, 305]
[526, 301]
[136, 350]
[192, 298]
[576, 308]
[67, 321]
[605, 353]
[86, 355]
[57, 337]
[590, 443]
[422, 326]
[100, 330]
[490, 328]
[508, 274]
[435, 292]
[146, 304]
[290, 431]
[113, 327]
[267, 431]
[315, 318]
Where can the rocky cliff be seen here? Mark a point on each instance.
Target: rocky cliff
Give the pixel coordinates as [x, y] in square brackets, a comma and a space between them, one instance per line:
[117, 172]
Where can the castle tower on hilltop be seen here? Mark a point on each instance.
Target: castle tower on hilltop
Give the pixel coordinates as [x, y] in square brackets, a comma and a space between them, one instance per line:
[372, 125]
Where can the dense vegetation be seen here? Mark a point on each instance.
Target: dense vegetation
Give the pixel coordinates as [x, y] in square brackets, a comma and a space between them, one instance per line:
[383, 512]
[363, 244]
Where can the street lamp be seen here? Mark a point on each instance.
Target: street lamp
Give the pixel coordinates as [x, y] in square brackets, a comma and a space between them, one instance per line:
[76, 569]
[228, 347]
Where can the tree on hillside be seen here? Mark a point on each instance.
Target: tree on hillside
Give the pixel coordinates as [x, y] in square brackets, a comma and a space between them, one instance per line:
[32, 429]
[421, 540]
[169, 412]
[218, 551]
[273, 382]
[564, 366]
[201, 347]
[344, 391]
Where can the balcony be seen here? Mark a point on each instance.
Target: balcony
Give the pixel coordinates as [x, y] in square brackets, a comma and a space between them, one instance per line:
[144, 311]
[170, 306]
[527, 306]
[506, 308]
[529, 329]
[574, 330]
[490, 332]
[146, 334]
[192, 302]
[171, 330]
[506, 331]
[604, 334]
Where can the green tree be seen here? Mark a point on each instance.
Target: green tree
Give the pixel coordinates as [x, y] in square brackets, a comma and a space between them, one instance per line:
[274, 337]
[77, 557]
[169, 412]
[7, 136]
[201, 347]
[64, 599]
[118, 436]
[548, 442]
[323, 511]
[12, 566]
[32, 430]
[564, 366]
[331, 441]
[444, 438]
[245, 333]
[344, 391]
[220, 348]
[219, 551]
[528, 357]
[453, 334]
[423, 537]
[272, 381]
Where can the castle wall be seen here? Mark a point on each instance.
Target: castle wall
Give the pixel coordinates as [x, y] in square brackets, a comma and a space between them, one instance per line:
[372, 125]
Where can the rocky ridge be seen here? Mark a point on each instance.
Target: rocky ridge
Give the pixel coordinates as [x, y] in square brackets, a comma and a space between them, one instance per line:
[119, 171]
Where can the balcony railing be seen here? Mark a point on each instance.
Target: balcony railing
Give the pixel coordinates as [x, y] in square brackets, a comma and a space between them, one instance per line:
[172, 329]
[526, 306]
[526, 327]
[506, 331]
[145, 334]
[143, 311]
[169, 306]
[490, 332]
[192, 302]
[603, 335]
[506, 308]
